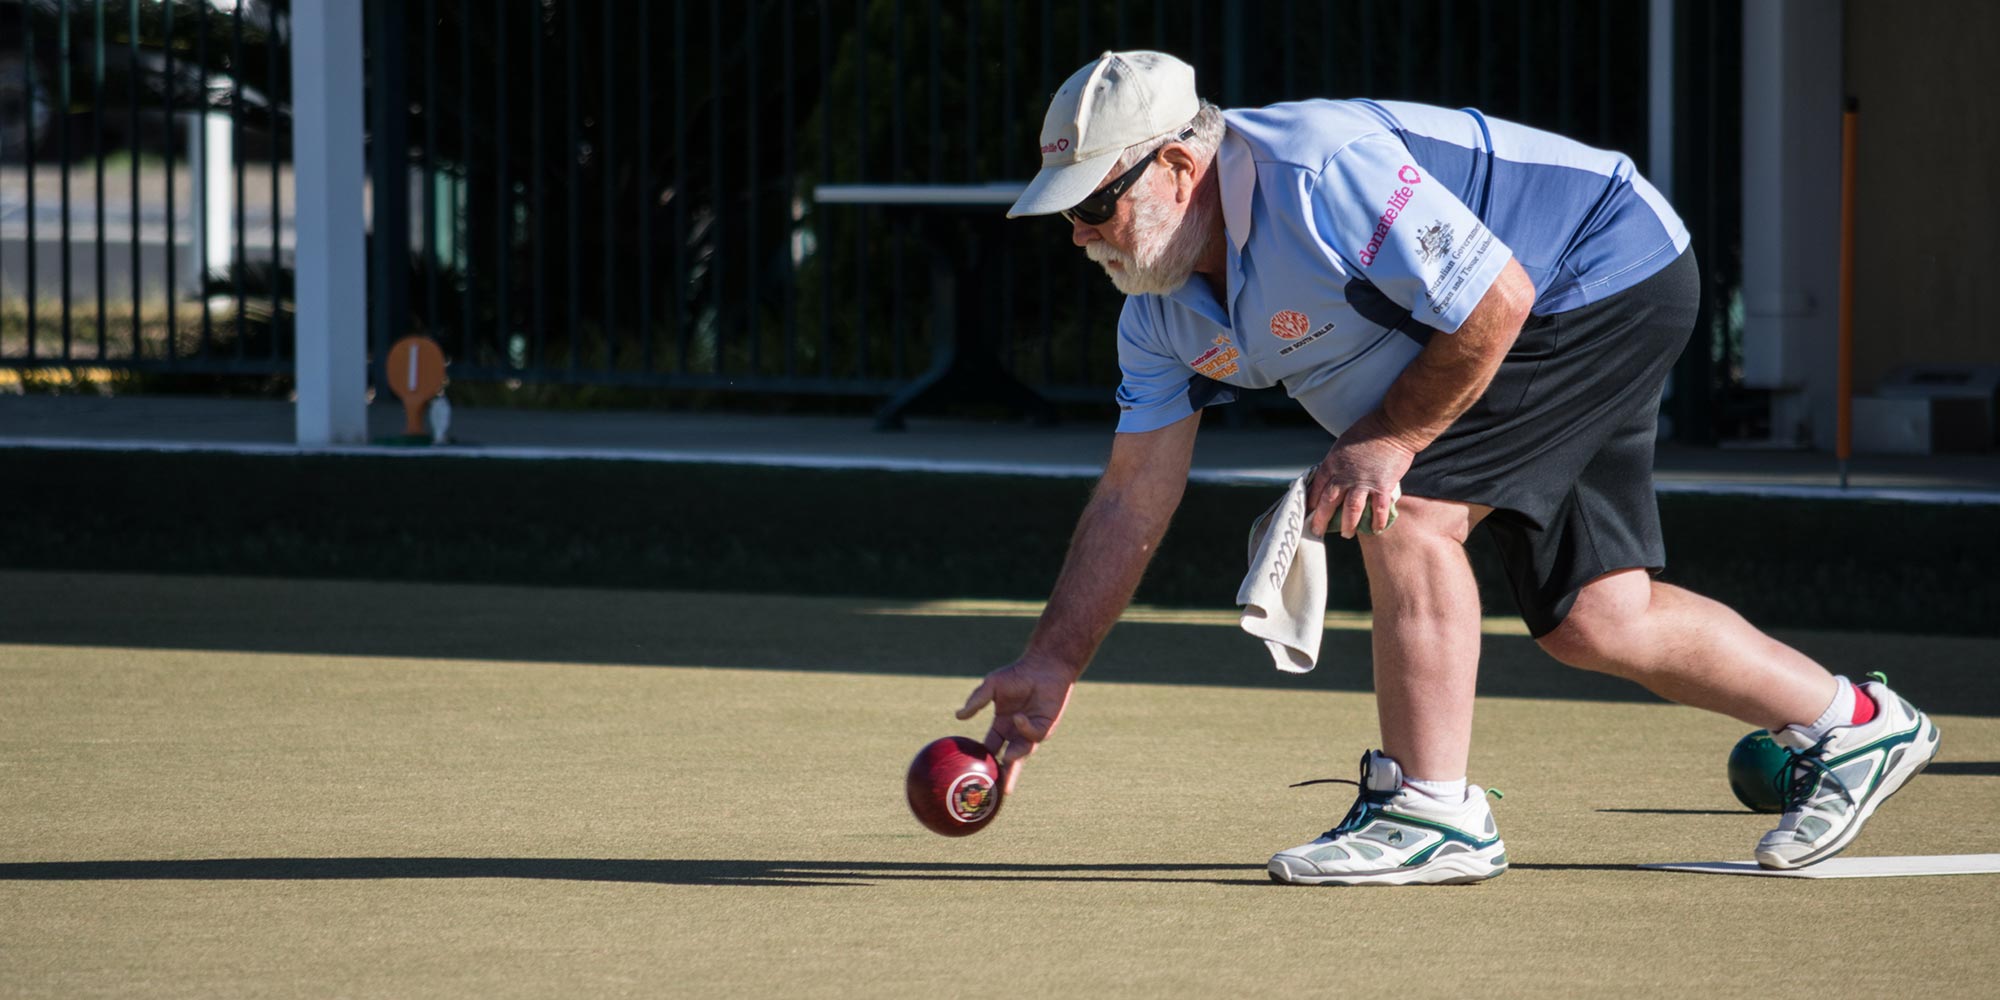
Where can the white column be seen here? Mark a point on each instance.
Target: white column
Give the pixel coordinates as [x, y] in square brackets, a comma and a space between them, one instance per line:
[218, 200]
[1791, 211]
[211, 210]
[332, 367]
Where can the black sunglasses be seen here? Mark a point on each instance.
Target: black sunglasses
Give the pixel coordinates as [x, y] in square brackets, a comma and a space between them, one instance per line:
[1102, 204]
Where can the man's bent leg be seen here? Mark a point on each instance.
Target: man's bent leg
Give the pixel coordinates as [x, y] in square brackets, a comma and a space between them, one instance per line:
[1426, 633]
[1689, 649]
[1697, 652]
[1426, 666]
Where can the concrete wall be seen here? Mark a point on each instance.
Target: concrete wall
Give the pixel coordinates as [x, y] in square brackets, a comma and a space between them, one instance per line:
[1927, 254]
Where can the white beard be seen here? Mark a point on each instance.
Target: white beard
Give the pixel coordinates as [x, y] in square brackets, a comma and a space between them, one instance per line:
[1165, 248]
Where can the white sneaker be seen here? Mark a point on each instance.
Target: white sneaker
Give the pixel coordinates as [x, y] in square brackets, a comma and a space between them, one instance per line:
[1398, 836]
[1834, 785]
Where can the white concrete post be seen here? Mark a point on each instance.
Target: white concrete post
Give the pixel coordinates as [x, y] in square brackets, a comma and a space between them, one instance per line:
[211, 202]
[218, 182]
[1791, 211]
[332, 367]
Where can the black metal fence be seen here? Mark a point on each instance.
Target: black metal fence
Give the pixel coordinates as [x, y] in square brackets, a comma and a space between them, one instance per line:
[143, 218]
[620, 192]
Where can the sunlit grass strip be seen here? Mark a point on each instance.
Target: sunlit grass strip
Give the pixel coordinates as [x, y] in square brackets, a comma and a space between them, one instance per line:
[1345, 621]
[69, 380]
[120, 318]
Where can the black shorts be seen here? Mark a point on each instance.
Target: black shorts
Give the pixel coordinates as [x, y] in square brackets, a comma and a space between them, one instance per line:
[1561, 443]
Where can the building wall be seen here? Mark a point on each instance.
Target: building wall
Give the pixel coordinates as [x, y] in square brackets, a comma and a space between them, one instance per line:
[1927, 226]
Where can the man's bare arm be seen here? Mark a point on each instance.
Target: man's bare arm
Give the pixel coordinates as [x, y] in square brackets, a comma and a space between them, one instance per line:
[1115, 538]
[1452, 370]
[1439, 385]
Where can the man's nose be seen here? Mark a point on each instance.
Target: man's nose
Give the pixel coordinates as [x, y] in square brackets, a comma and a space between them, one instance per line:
[1082, 234]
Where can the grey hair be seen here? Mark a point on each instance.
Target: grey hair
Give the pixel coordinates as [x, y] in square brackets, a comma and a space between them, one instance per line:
[1208, 128]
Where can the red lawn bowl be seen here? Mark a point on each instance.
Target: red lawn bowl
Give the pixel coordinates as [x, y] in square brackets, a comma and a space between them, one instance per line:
[954, 786]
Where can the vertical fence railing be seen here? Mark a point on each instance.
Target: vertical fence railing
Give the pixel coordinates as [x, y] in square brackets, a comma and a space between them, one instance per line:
[63, 127]
[630, 202]
[650, 185]
[241, 223]
[200, 176]
[120, 97]
[30, 126]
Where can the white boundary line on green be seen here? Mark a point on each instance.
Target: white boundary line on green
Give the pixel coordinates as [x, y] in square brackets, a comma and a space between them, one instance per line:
[1882, 867]
[882, 463]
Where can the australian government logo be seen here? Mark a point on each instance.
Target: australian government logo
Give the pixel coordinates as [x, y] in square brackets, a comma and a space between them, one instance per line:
[1434, 241]
[1218, 361]
[1460, 262]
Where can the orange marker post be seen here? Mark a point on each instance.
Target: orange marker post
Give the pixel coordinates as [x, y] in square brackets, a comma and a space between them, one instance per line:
[415, 372]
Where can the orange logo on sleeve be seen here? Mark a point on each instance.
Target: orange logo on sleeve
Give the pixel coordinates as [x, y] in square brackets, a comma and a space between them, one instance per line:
[1217, 361]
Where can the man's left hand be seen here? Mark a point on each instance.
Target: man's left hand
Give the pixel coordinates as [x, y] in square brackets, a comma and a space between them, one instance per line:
[1365, 465]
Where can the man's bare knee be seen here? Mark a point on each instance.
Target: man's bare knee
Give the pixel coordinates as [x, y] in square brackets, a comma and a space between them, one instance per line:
[1577, 642]
[1603, 623]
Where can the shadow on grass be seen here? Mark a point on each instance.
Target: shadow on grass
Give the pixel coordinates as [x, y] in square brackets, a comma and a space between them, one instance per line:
[1550, 867]
[662, 872]
[746, 872]
[1983, 768]
[708, 629]
[1681, 812]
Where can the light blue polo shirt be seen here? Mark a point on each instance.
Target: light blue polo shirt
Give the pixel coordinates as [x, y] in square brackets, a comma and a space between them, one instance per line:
[1356, 228]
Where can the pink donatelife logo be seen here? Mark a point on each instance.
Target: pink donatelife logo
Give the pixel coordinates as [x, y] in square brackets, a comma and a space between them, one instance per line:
[1399, 199]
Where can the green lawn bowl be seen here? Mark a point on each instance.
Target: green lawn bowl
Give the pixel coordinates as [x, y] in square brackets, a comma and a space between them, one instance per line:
[1367, 524]
[1757, 772]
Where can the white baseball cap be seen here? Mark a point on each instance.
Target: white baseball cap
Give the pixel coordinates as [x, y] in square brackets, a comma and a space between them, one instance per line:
[1121, 99]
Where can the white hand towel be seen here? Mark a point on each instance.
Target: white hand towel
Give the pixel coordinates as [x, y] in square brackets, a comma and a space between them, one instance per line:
[1284, 595]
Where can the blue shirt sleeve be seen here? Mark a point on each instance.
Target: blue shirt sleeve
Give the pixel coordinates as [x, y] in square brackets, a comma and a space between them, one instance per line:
[1158, 389]
[1406, 233]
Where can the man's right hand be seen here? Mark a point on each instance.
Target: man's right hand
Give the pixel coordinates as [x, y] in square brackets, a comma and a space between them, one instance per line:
[1028, 697]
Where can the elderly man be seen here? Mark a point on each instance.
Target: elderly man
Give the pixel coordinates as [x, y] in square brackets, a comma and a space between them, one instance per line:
[1482, 314]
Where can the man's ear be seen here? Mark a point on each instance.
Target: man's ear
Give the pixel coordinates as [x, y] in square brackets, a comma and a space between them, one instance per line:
[1177, 157]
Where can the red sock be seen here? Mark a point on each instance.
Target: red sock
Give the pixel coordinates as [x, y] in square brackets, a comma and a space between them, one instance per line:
[1864, 707]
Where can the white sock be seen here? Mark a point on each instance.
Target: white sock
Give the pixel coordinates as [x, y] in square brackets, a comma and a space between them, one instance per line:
[1450, 792]
[1840, 713]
